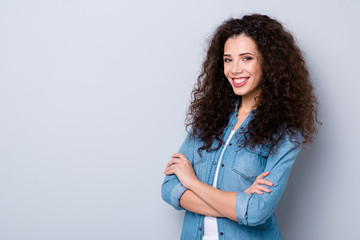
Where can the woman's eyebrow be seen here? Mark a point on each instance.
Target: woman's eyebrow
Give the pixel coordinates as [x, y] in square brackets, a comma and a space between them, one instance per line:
[247, 53]
[241, 54]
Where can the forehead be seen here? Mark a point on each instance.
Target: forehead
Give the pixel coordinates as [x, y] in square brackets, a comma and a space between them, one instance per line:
[240, 44]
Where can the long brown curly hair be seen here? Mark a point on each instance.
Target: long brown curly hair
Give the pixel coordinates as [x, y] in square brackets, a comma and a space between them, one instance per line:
[286, 101]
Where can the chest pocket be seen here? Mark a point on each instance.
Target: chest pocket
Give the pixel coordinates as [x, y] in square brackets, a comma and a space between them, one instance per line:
[199, 164]
[205, 155]
[250, 162]
[198, 160]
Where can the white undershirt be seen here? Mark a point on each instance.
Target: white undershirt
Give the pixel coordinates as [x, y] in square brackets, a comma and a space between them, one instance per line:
[210, 223]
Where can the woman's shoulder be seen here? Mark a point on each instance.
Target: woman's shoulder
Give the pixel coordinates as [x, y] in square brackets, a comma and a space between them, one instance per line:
[286, 139]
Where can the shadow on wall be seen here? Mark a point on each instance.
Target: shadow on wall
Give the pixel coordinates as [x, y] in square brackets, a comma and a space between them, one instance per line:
[297, 200]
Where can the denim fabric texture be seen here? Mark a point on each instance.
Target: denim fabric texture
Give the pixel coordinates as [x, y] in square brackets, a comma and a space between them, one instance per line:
[239, 169]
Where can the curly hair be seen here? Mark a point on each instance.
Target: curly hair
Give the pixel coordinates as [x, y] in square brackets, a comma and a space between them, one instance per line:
[286, 101]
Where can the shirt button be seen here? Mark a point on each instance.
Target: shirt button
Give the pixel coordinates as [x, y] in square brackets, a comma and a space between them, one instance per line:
[242, 128]
[231, 125]
[214, 163]
[200, 228]
[230, 144]
[221, 233]
[222, 165]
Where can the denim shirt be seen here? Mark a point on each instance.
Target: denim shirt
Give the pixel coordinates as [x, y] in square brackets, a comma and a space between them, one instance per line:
[239, 169]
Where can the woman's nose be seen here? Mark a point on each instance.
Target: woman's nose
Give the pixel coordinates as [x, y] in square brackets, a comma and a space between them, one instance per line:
[236, 67]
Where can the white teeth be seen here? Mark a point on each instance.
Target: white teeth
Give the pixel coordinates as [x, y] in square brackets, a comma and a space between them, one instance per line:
[240, 80]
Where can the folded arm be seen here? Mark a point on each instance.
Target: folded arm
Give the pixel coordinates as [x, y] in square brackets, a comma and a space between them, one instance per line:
[191, 202]
[248, 209]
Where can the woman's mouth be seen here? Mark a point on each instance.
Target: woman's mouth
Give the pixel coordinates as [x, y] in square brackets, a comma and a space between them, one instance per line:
[239, 82]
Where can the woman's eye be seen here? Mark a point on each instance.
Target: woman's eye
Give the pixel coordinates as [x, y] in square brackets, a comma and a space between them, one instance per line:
[247, 58]
[226, 60]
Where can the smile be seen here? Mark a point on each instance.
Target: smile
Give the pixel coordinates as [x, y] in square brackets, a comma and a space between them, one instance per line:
[239, 82]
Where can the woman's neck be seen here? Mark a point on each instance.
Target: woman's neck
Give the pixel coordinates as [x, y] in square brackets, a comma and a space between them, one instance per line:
[246, 105]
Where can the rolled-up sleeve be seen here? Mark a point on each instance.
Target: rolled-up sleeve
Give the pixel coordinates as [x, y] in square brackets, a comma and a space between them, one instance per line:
[172, 189]
[254, 209]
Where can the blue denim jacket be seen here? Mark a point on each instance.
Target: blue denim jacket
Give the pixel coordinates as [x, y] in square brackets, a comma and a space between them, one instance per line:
[240, 166]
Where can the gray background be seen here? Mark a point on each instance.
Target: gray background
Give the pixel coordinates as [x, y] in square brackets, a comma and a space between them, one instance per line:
[93, 97]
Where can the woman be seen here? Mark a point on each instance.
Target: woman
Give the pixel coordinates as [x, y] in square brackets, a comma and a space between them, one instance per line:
[252, 108]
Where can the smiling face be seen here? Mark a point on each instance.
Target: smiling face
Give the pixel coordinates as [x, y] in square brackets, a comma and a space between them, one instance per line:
[242, 65]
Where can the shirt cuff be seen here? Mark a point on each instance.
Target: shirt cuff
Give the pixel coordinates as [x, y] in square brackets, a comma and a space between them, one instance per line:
[241, 205]
[176, 193]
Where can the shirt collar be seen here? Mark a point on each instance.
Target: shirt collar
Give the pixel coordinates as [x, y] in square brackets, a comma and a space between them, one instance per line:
[237, 103]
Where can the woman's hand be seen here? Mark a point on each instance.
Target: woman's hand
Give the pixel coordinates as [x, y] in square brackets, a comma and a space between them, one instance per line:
[256, 187]
[182, 168]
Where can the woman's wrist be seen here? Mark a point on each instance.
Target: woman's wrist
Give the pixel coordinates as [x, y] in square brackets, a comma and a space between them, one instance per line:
[194, 184]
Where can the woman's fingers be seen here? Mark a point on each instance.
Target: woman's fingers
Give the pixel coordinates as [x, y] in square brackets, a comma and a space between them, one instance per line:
[170, 170]
[182, 168]
[173, 161]
[264, 181]
[179, 156]
[264, 174]
[253, 190]
[263, 188]
[260, 180]
[258, 186]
